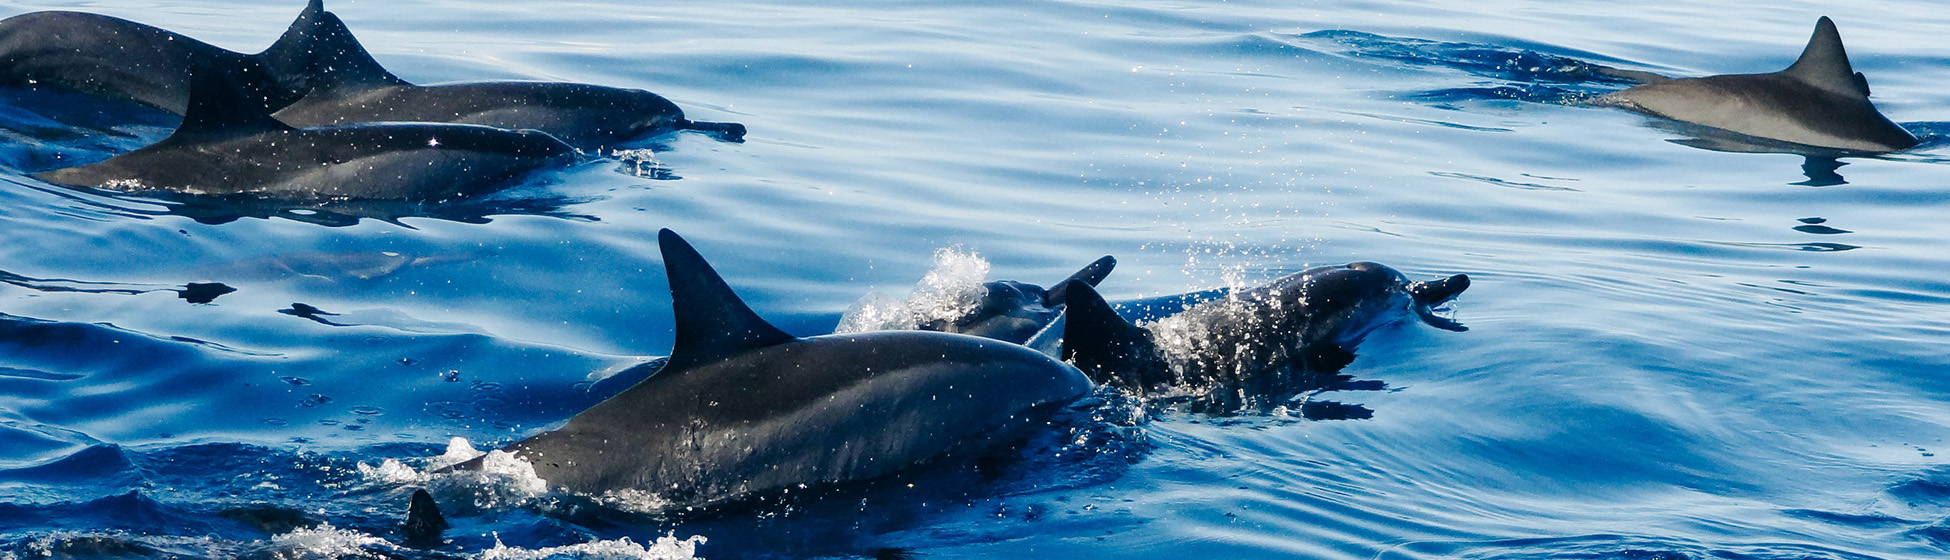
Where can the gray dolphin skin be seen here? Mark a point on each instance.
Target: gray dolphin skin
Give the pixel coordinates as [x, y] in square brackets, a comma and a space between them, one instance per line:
[1284, 336]
[119, 59]
[1820, 102]
[350, 86]
[1014, 311]
[742, 408]
[227, 145]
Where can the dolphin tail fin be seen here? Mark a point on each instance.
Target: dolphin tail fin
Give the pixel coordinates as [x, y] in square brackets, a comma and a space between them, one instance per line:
[1824, 63]
[712, 321]
[1092, 274]
[218, 109]
[1107, 348]
[424, 523]
[339, 64]
[727, 131]
[1436, 292]
[289, 60]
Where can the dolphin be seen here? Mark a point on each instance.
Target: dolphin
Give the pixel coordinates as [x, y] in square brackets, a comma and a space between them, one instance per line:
[120, 59]
[1015, 311]
[228, 145]
[1819, 103]
[350, 86]
[1288, 336]
[741, 408]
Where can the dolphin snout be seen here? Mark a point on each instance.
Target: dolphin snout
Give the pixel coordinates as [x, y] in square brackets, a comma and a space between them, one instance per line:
[1436, 292]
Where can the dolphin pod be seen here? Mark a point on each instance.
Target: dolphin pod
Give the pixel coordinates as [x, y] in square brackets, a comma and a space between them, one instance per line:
[294, 121]
[1283, 337]
[741, 408]
[1820, 101]
[318, 74]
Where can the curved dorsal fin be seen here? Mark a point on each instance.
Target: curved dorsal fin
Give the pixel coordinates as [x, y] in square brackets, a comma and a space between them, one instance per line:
[340, 65]
[423, 520]
[1092, 274]
[1105, 346]
[218, 110]
[289, 60]
[1824, 63]
[712, 323]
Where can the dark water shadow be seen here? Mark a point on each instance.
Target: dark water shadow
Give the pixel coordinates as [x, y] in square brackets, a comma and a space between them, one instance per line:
[193, 292]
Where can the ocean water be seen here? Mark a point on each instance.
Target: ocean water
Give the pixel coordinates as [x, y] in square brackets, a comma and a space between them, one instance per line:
[1674, 353]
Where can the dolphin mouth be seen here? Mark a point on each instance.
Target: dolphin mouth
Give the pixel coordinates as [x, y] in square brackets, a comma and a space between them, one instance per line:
[1428, 295]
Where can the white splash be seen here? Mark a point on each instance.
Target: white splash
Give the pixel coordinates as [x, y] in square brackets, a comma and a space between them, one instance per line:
[392, 472]
[640, 162]
[950, 291]
[665, 548]
[502, 480]
[635, 501]
[458, 451]
[326, 541]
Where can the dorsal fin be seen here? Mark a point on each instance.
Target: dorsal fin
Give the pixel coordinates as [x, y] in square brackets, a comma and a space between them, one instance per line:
[1092, 274]
[341, 65]
[218, 110]
[424, 524]
[1824, 63]
[1105, 346]
[712, 322]
[289, 60]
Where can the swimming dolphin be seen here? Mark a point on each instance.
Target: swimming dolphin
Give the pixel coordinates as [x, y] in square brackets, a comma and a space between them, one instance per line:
[121, 59]
[1284, 337]
[741, 408]
[1819, 102]
[227, 145]
[1014, 311]
[351, 87]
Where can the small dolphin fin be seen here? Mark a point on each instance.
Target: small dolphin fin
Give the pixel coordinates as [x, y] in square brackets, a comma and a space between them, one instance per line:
[423, 521]
[711, 321]
[1105, 346]
[1824, 63]
[340, 65]
[218, 110]
[290, 58]
[1092, 274]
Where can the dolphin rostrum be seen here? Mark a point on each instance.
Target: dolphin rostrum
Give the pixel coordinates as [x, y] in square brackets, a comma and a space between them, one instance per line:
[741, 408]
[121, 59]
[227, 144]
[350, 86]
[1285, 337]
[1819, 102]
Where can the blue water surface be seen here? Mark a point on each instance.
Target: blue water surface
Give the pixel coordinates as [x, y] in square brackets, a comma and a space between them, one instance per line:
[1674, 352]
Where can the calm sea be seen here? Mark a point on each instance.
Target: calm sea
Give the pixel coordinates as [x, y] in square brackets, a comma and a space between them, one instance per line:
[1674, 353]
